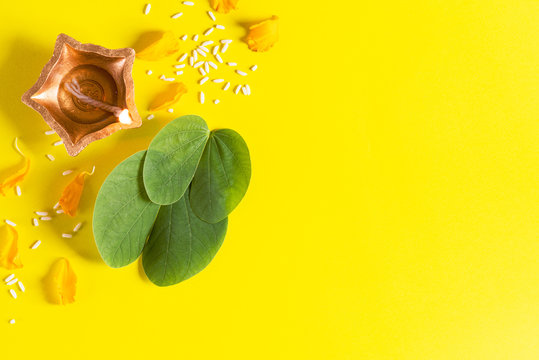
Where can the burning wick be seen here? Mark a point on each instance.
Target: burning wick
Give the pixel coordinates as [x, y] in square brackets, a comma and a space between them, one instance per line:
[122, 114]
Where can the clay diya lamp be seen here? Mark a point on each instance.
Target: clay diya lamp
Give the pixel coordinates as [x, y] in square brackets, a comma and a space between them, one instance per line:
[85, 92]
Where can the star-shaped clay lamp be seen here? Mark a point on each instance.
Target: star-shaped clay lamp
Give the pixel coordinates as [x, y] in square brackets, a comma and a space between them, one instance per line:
[85, 92]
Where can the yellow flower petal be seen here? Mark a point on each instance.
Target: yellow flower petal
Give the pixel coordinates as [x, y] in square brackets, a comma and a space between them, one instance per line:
[224, 6]
[171, 96]
[165, 45]
[70, 199]
[264, 35]
[16, 178]
[61, 283]
[9, 249]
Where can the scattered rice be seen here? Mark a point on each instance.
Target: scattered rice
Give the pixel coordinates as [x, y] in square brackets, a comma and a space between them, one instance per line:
[13, 293]
[203, 80]
[12, 321]
[212, 64]
[215, 50]
[18, 190]
[45, 218]
[216, 101]
[201, 97]
[201, 71]
[226, 41]
[67, 236]
[21, 286]
[9, 283]
[36, 245]
[42, 213]
[169, 79]
[179, 72]
[50, 157]
[177, 15]
[170, 110]
[180, 66]
[188, 3]
[231, 64]
[77, 227]
[248, 89]
[254, 67]
[195, 55]
[201, 52]
[184, 37]
[67, 172]
[35, 222]
[237, 89]
[245, 90]
[207, 42]
[183, 57]
[9, 278]
[50, 132]
[218, 57]
[191, 61]
[227, 85]
[150, 117]
[203, 48]
[56, 206]
[60, 211]
[242, 73]
[9, 222]
[210, 14]
[149, 72]
[195, 37]
[220, 27]
[162, 77]
[207, 67]
[218, 80]
[224, 48]
[208, 32]
[147, 9]
[198, 64]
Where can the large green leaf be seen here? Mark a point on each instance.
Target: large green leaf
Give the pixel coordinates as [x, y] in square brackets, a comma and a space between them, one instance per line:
[123, 214]
[180, 245]
[173, 157]
[222, 177]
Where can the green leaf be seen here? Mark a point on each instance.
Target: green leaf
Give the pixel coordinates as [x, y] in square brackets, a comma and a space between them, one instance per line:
[180, 245]
[173, 157]
[123, 214]
[222, 177]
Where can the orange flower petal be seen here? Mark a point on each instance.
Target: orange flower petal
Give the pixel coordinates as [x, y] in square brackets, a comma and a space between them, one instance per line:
[166, 45]
[14, 179]
[224, 6]
[171, 96]
[61, 283]
[9, 249]
[264, 35]
[70, 199]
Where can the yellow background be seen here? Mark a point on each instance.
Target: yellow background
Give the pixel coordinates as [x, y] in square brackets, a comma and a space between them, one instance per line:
[392, 212]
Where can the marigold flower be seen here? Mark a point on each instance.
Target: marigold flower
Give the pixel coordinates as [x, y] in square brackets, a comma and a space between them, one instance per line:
[9, 248]
[69, 201]
[171, 96]
[61, 283]
[16, 178]
[165, 45]
[224, 6]
[264, 35]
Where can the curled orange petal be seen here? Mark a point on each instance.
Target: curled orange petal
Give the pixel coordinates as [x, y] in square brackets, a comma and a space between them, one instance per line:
[224, 6]
[264, 35]
[16, 178]
[61, 283]
[164, 45]
[169, 97]
[9, 248]
[69, 201]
